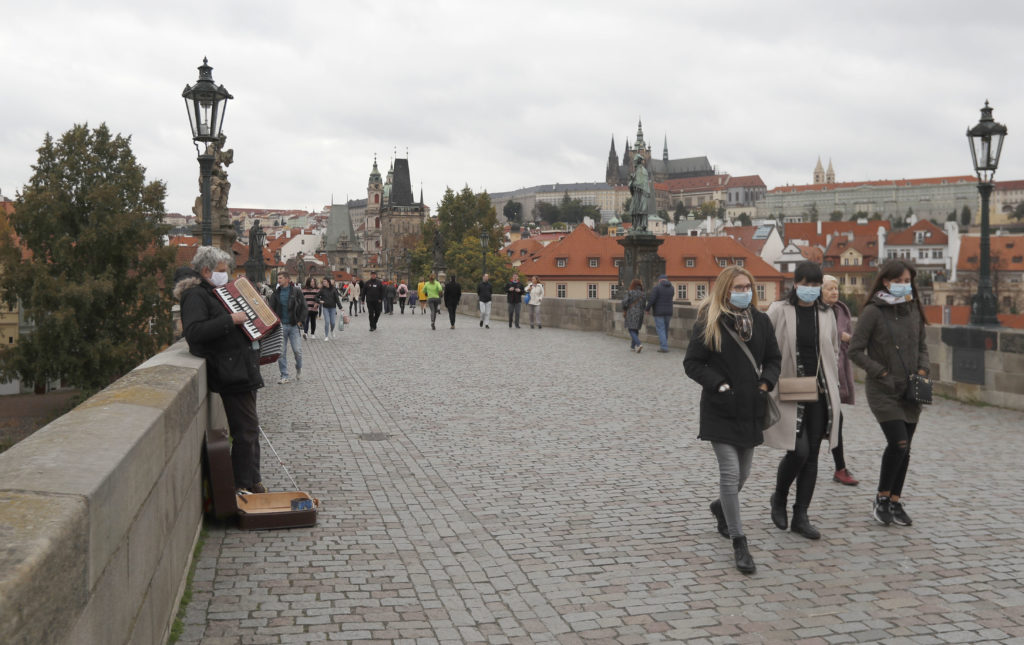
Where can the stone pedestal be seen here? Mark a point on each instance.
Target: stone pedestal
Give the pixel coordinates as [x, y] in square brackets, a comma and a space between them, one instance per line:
[641, 260]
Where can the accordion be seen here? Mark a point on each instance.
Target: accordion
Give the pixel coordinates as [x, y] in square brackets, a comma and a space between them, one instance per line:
[241, 295]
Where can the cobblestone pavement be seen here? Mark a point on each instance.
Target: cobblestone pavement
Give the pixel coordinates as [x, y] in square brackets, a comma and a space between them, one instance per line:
[548, 486]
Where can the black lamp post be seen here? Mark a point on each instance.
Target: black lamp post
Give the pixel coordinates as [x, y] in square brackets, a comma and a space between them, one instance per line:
[206, 102]
[484, 239]
[986, 141]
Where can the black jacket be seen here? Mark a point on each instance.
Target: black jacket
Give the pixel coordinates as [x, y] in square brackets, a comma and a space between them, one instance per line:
[484, 290]
[734, 416]
[514, 292]
[297, 308]
[452, 294]
[232, 365]
[659, 301]
[329, 297]
[373, 291]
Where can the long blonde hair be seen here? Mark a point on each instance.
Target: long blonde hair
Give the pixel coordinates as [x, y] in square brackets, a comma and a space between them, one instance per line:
[711, 308]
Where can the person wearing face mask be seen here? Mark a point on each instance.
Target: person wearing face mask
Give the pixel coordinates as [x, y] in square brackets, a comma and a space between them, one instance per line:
[730, 335]
[232, 360]
[809, 341]
[830, 296]
[888, 341]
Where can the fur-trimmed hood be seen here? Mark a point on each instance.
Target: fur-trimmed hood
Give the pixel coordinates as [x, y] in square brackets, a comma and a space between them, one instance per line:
[184, 279]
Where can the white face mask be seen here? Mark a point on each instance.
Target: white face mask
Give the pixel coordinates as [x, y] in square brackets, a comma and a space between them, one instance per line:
[219, 278]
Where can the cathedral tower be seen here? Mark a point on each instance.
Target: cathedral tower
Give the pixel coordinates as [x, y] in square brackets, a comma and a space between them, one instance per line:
[830, 175]
[819, 173]
[611, 173]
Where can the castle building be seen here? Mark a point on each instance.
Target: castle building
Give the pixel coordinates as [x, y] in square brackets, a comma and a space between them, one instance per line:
[617, 174]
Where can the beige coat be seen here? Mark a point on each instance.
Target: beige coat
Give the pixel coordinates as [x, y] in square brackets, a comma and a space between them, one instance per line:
[782, 435]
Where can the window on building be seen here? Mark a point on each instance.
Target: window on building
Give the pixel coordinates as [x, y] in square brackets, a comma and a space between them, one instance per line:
[593, 262]
[615, 291]
[1017, 259]
[842, 279]
[681, 291]
[617, 262]
[591, 290]
[722, 262]
[936, 254]
[522, 252]
[853, 280]
[761, 292]
[561, 262]
[560, 290]
[922, 254]
[739, 262]
[890, 254]
[702, 291]
[691, 262]
[926, 298]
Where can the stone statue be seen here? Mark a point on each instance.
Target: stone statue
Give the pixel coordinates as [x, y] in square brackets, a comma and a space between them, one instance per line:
[640, 192]
[220, 221]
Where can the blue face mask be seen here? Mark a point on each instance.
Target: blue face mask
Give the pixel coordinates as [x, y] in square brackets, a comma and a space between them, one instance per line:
[740, 299]
[807, 294]
[901, 289]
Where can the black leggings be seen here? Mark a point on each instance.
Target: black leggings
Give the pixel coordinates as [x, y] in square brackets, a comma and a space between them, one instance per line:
[801, 463]
[837, 452]
[896, 457]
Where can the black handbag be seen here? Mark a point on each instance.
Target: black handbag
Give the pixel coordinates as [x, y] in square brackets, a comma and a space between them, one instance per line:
[772, 414]
[919, 388]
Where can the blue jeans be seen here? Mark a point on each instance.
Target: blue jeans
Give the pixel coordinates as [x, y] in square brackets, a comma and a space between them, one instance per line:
[293, 336]
[330, 315]
[634, 338]
[661, 323]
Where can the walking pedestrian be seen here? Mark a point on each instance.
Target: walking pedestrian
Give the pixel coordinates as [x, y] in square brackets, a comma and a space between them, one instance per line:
[432, 290]
[421, 294]
[730, 336]
[390, 292]
[484, 291]
[830, 296]
[889, 344]
[290, 306]
[373, 293]
[353, 293]
[660, 305]
[633, 311]
[362, 295]
[329, 299]
[514, 295]
[309, 292]
[452, 296]
[805, 330]
[403, 294]
[232, 364]
[536, 291]
[414, 298]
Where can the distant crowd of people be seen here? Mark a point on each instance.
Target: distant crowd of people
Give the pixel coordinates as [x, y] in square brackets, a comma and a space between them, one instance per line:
[778, 377]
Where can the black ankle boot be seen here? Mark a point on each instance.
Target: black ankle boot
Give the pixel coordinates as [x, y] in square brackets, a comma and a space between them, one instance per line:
[744, 561]
[716, 510]
[802, 525]
[779, 512]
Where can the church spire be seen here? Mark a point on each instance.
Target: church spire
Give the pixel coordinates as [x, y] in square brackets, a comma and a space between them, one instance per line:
[830, 174]
[819, 173]
[639, 135]
[664, 151]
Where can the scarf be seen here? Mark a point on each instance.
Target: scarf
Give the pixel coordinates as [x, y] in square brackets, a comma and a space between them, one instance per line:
[890, 299]
[742, 322]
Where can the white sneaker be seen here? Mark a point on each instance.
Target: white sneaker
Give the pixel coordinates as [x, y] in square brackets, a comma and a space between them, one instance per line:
[283, 380]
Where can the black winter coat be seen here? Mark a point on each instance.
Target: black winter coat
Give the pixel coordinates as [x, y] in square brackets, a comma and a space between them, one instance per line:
[659, 301]
[514, 292]
[373, 290]
[329, 297]
[484, 291]
[232, 365]
[734, 416]
[297, 307]
[452, 294]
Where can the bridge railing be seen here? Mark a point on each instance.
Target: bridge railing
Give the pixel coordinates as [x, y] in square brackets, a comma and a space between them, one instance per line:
[971, 364]
[100, 510]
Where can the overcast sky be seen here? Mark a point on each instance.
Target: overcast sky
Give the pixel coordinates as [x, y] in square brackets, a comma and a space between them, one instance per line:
[501, 95]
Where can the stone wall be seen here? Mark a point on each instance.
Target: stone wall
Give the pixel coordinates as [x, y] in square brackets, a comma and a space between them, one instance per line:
[997, 353]
[100, 510]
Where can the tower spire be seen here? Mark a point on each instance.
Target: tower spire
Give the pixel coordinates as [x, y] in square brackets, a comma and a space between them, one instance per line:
[664, 151]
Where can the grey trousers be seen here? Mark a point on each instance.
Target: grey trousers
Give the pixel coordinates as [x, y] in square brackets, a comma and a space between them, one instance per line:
[733, 470]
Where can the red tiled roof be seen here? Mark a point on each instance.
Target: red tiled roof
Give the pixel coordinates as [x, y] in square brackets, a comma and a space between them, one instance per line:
[747, 181]
[908, 235]
[961, 315]
[745, 236]
[868, 247]
[686, 184]
[809, 230]
[812, 253]
[1006, 251]
[1016, 184]
[530, 245]
[928, 181]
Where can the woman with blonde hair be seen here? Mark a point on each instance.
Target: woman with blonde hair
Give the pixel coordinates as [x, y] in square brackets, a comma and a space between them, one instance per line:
[734, 356]
[830, 296]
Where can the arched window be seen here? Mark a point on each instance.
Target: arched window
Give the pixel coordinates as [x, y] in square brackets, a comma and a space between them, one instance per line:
[376, 199]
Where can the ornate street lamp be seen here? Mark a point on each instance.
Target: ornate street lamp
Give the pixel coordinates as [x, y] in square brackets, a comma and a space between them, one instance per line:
[206, 102]
[484, 239]
[986, 141]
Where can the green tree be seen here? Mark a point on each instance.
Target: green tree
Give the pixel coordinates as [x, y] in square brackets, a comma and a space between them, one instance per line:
[965, 216]
[951, 217]
[679, 212]
[708, 209]
[1018, 212]
[835, 216]
[812, 212]
[461, 218]
[464, 260]
[97, 282]
[513, 211]
[546, 212]
[744, 219]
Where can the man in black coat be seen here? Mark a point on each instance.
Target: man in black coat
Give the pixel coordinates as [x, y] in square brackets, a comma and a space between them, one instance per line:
[373, 291]
[232, 362]
[452, 296]
[484, 291]
[514, 295]
[659, 303]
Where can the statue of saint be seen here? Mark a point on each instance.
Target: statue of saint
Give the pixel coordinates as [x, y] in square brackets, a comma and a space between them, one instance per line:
[219, 185]
[640, 192]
